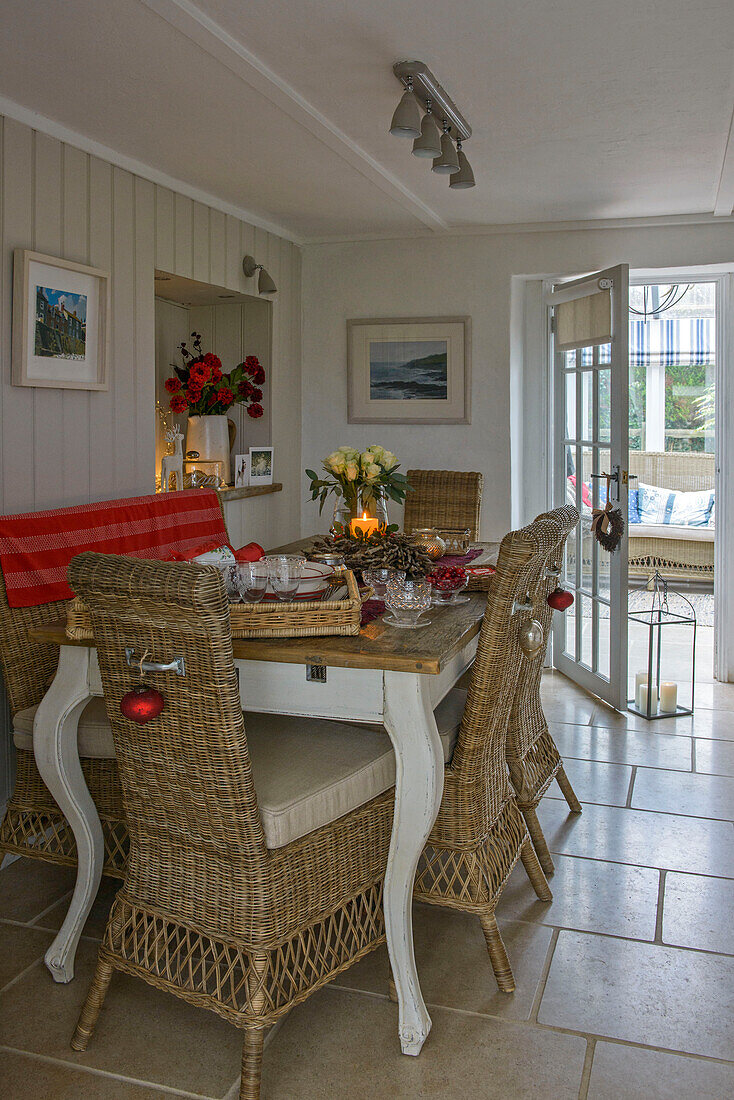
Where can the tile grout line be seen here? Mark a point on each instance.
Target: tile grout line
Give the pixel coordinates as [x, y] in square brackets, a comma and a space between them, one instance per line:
[540, 989]
[586, 1071]
[18, 977]
[44, 912]
[659, 914]
[633, 776]
[94, 1071]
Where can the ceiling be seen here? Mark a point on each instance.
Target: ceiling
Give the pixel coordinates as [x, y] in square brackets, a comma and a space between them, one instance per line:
[581, 109]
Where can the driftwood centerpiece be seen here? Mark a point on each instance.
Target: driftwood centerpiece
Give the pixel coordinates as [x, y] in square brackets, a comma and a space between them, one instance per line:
[383, 549]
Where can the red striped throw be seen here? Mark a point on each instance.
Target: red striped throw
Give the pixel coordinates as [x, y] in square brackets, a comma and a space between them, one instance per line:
[36, 547]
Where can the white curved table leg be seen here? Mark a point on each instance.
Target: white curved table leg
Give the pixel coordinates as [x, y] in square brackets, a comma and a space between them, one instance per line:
[57, 757]
[408, 718]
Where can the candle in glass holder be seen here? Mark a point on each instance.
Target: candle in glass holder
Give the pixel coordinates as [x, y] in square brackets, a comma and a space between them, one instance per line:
[668, 696]
[640, 679]
[643, 699]
[364, 526]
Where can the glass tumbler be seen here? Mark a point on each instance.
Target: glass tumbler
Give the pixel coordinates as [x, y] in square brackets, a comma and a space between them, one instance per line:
[285, 572]
[252, 580]
[377, 580]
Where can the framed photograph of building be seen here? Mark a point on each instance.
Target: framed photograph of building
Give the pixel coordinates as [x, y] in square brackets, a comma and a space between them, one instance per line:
[60, 323]
[409, 370]
[261, 465]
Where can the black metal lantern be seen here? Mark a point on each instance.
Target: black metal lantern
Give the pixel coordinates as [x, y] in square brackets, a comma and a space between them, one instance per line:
[656, 692]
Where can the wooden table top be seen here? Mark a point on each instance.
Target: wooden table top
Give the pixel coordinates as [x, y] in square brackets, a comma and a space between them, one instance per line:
[377, 645]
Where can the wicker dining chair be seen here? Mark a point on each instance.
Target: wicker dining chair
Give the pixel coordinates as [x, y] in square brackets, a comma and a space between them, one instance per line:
[532, 755]
[221, 905]
[479, 833]
[33, 824]
[449, 499]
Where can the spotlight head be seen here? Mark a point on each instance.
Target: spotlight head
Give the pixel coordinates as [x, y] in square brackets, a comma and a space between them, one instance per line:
[406, 121]
[464, 177]
[448, 161]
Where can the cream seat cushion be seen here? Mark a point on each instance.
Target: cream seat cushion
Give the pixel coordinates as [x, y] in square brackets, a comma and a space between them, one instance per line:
[94, 736]
[307, 771]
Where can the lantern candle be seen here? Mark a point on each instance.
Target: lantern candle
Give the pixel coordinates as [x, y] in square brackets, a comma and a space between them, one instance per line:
[640, 679]
[364, 526]
[669, 697]
[643, 699]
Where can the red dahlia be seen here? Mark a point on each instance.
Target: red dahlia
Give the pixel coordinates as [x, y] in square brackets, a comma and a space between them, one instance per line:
[199, 374]
[173, 385]
[254, 411]
[213, 361]
[178, 403]
[225, 396]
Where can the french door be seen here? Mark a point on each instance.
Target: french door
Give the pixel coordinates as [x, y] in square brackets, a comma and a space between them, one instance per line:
[590, 329]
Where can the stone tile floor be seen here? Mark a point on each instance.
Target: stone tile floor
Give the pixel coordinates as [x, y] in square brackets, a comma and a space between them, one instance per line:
[625, 982]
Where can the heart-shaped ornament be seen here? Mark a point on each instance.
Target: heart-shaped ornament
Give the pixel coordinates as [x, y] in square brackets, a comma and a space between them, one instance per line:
[559, 599]
[142, 704]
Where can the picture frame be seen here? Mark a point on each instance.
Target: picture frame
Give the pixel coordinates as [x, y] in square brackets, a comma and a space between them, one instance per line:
[409, 370]
[261, 465]
[241, 471]
[61, 314]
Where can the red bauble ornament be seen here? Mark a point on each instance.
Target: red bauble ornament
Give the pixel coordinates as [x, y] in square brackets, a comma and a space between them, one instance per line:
[559, 599]
[142, 704]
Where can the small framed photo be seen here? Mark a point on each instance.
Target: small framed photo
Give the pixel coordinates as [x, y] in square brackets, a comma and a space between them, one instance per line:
[241, 471]
[261, 465]
[409, 370]
[61, 314]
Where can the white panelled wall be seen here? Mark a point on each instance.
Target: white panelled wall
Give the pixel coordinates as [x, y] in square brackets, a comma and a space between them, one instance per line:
[67, 447]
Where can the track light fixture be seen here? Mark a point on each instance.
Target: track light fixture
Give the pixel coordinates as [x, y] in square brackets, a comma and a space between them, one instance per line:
[265, 284]
[464, 177]
[406, 122]
[424, 93]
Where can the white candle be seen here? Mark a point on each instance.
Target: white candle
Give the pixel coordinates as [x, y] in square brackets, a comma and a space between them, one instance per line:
[640, 679]
[643, 699]
[668, 696]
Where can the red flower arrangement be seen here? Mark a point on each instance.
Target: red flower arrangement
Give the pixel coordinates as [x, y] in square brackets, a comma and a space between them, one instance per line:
[201, 388]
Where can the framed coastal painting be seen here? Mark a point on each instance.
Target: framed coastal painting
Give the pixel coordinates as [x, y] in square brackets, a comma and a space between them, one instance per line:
[409, 370]
[61, 316]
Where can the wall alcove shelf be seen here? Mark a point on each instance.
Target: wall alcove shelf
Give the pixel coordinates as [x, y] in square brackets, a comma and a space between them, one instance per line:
[230, 493]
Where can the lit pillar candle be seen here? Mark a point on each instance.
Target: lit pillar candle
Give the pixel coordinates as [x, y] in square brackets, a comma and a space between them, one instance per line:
[363, 526]
[643, 699]
[668, 696]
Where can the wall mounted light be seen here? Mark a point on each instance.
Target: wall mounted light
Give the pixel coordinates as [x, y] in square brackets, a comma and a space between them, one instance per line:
[406, 122]
[429, 143]
[464, 177]
[423, 92]
[265, 284]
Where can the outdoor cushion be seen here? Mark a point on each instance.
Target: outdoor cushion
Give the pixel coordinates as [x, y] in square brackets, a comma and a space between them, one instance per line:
[94, 735]
[669, 506]
[672, 531]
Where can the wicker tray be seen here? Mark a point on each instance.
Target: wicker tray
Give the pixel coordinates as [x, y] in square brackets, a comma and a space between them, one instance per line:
[479, 582]
[298, 619]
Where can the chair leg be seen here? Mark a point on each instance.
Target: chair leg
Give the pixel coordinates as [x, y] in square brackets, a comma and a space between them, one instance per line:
[536, 835]
[252, 1061]
[531, 863]
[498, 954]
[92, 1005]
[568, 792]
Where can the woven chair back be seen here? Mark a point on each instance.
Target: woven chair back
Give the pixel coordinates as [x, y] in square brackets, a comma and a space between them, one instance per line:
[527, 720]
[444, 499]
[27, 665]
[195, 833]
[478, 763]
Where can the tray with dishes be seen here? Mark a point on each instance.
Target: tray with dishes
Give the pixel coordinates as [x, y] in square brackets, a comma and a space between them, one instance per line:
[326, 603]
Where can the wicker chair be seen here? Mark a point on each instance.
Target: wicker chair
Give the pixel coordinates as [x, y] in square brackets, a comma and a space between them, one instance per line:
[212, 908]
[532, 756]
[33, 824]
[449, 499]
[480, 833]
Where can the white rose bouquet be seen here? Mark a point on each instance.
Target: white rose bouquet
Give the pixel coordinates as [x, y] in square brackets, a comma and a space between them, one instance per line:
[359, 477]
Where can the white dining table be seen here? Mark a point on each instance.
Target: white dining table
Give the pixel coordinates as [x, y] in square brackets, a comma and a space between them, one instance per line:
[386, 676]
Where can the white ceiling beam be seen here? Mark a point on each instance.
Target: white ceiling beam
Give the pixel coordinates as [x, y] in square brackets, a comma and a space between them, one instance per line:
[200, 29]
[724, 204]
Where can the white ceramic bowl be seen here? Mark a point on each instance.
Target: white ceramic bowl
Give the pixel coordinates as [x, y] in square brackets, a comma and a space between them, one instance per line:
[316, 578]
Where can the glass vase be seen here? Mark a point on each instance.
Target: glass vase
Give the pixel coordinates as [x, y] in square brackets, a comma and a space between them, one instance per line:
[374, 505]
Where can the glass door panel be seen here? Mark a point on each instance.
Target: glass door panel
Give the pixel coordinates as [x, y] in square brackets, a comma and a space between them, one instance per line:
[591, 440]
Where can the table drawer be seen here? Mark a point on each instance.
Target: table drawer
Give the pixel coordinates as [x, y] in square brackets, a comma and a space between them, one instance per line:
[346, 693]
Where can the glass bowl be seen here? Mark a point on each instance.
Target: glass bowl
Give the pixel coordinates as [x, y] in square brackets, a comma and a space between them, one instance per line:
[377, 580]
[406, 601]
